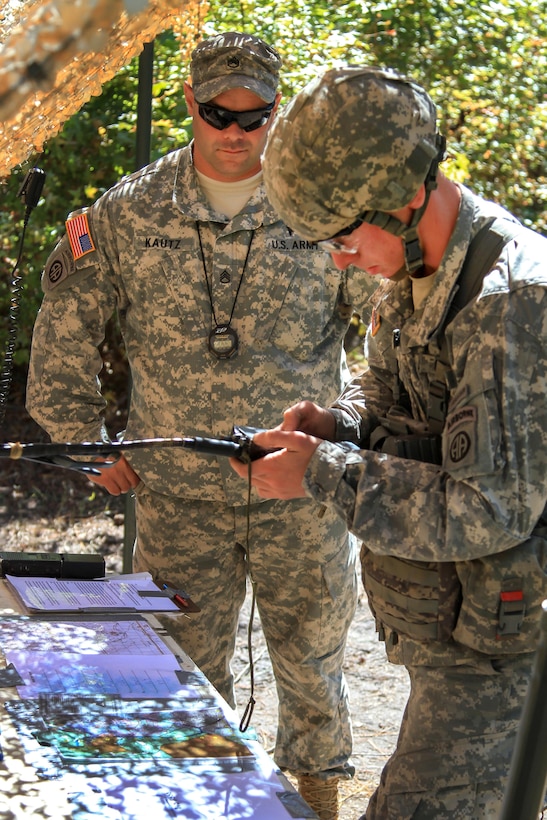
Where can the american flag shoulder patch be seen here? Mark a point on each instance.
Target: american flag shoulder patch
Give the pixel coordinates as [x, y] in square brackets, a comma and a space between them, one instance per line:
[79, 236]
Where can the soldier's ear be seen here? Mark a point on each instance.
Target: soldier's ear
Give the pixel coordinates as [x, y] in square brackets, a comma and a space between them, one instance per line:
[418, 199]
[189, 97]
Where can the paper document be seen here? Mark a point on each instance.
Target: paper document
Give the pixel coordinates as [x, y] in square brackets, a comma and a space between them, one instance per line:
[83, 636]
[133, 676]
[136, 593]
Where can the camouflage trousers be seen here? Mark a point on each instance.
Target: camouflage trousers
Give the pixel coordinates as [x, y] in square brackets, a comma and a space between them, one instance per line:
[456, 741]
[304, 570]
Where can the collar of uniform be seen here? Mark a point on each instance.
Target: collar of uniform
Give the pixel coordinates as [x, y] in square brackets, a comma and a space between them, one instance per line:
[427, 322]
[393, 300]
[188, 197]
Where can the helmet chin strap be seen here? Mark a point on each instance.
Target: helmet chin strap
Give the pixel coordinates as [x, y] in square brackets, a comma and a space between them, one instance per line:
[414, 260]
[408, 233]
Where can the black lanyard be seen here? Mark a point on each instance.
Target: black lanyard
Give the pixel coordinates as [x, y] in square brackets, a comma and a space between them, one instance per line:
[223, 341]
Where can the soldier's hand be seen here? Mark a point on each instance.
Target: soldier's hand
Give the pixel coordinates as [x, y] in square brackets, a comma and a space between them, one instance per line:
[309, 418]
[119, 477]
[280, 474]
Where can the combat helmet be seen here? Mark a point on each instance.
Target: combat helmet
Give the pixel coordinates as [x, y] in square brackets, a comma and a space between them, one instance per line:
[355, 143]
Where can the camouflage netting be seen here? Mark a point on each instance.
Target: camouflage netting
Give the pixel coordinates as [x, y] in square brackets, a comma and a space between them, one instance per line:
[56, 54]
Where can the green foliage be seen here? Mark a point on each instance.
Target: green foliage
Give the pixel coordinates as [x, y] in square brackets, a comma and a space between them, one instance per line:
[484, 63]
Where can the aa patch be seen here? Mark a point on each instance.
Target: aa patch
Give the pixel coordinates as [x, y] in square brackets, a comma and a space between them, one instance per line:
[375, 322]
[79, 236]
[461, 427]
[57, 269]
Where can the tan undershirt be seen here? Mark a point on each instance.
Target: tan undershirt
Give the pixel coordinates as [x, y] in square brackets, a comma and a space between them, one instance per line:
[421, 288]
[228, 198]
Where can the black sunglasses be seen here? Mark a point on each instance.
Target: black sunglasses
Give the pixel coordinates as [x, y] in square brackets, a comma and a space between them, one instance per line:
[221, 118]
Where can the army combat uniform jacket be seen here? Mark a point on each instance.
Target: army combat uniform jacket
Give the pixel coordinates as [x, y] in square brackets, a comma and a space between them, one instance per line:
[137, 250]
[454, 555]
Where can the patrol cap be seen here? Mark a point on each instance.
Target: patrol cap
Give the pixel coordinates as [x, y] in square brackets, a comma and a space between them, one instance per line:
[355, 139]
[234, 60]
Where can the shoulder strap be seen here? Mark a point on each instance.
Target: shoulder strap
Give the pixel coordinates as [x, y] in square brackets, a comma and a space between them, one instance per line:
[483, 250]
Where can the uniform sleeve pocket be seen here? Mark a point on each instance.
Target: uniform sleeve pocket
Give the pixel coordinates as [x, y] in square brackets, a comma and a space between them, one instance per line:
[472, 434]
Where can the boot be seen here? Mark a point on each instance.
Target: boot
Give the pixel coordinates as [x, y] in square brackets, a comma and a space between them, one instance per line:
[320, 795]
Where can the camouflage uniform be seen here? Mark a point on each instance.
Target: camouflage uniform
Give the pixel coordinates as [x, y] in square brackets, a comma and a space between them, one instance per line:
[454, 555]
[482, 515]
[142, 256]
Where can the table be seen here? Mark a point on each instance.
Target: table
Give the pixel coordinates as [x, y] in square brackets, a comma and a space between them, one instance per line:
[105, 716]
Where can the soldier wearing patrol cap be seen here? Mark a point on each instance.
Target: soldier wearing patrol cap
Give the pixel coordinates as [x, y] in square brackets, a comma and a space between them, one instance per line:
[227, 315]
[447, 487]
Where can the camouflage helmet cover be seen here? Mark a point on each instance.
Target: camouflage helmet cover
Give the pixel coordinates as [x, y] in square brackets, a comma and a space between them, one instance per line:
[234, 59]
[355, 139]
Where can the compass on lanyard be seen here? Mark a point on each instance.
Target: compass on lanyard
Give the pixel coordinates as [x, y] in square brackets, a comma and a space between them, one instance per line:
[223, 341]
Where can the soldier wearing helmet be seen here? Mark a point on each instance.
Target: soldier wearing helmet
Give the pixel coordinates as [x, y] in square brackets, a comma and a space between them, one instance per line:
[325, 191]
[434, 456]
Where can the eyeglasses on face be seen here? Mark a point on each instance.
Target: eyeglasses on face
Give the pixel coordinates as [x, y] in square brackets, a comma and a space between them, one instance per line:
[221, 118]
[333, 246]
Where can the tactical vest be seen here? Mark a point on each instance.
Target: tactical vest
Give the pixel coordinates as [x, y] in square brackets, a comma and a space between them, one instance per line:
[413, 598]
[491, 605]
